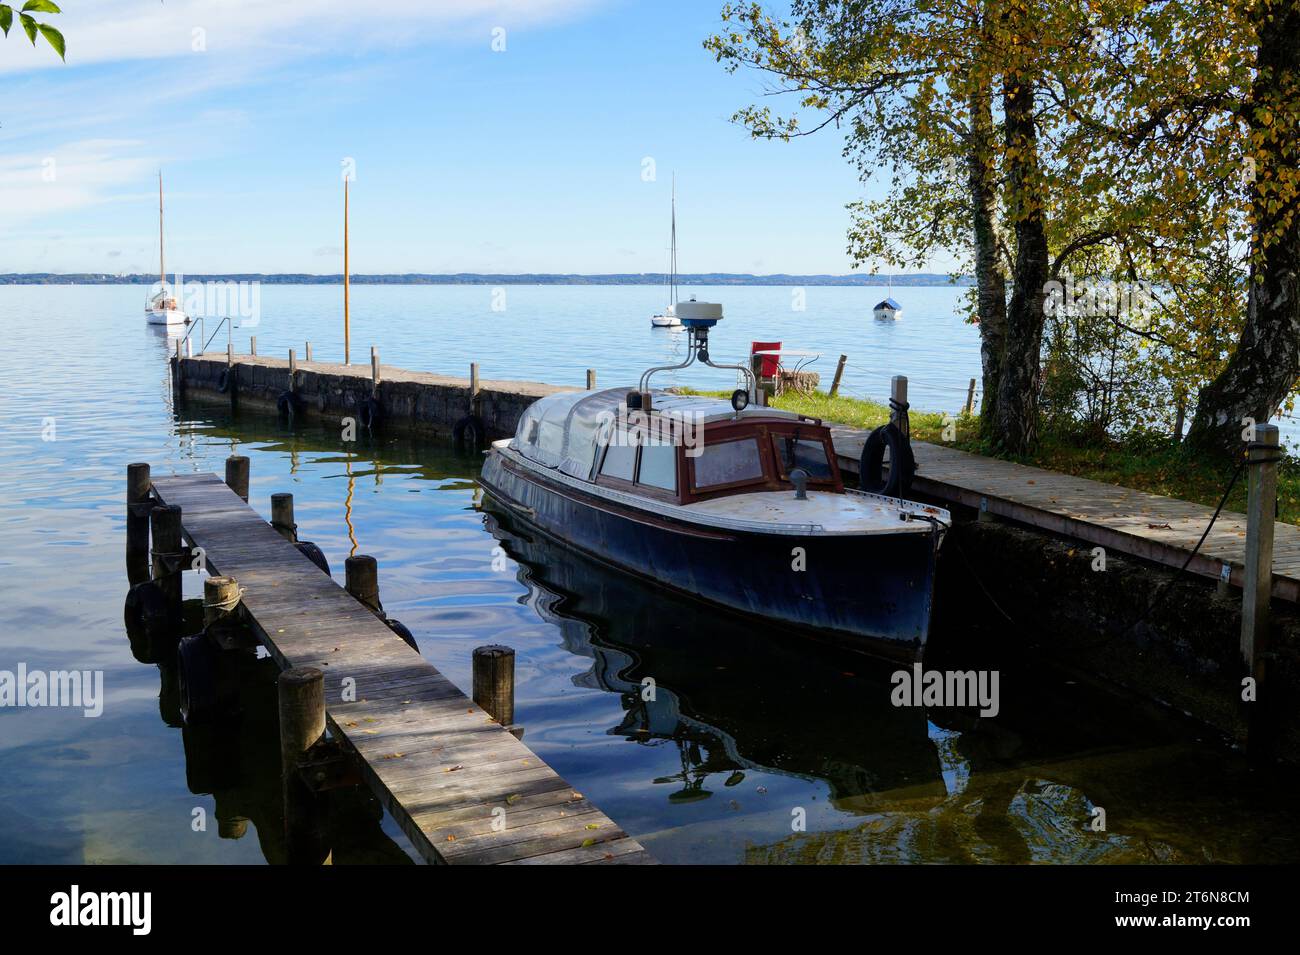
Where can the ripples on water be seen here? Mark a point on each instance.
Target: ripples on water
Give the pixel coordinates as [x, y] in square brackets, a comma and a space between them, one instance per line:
[747, 725]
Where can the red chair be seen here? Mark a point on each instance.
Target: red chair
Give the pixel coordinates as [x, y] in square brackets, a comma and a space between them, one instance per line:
[768, 364]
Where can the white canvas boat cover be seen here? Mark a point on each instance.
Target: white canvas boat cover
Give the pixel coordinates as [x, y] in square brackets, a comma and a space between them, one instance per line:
[568, 430]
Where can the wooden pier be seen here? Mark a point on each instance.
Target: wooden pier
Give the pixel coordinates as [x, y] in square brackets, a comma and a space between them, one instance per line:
[460, 785]
[1122, 520]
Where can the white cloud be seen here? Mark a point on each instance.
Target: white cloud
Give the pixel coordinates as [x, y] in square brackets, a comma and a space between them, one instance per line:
[119, 30]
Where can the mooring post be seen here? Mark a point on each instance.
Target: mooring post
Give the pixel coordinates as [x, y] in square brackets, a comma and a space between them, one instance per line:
[1257, 586]
[221, 596]
[252, 344]
[897, 397]
[137, 522]
[494, 682]
[473, 388]
[189, 347]
[361, 573]
[230, 355]
[374, 369]
[591, 379]
[970, 399]
[302, 725]
[293, 369]
[306, 351]
[237, 475]
[839, 373]
[282, 516]
[165, 522]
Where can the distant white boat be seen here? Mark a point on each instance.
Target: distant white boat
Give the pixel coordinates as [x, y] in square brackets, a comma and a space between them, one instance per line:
[668, 317]
[889, 310]
[162, 309]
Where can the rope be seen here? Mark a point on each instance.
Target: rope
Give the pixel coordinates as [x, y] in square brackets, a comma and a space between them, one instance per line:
[230, 603]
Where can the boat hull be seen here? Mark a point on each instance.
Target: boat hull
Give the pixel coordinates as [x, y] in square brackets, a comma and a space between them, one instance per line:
[165, 316]
[871, 591]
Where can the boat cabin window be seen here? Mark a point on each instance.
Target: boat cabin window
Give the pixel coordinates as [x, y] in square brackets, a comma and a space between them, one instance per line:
[620, 461]
[793, 452]
[658, 466]
[728, 462]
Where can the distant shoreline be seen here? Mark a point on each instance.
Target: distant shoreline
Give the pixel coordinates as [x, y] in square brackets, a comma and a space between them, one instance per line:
[477, 278]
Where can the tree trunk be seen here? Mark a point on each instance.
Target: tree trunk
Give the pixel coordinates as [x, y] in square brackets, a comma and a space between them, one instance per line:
[1015, 427]
[990, 283]
[1266, 364]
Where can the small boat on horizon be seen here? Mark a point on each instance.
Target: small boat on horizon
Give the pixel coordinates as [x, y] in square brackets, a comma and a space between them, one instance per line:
[738, 505]
[668, 317]
[162, 308]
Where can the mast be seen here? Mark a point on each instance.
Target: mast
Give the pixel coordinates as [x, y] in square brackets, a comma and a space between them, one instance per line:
[672, 261]
[347, 282]
[162, 263]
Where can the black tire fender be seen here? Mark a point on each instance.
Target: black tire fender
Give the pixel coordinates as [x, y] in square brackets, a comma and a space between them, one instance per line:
[313, 554]
[902, 463]
[468, 432]
[401, 630]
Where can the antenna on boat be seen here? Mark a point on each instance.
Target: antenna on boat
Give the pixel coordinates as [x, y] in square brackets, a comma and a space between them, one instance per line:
[698, 317]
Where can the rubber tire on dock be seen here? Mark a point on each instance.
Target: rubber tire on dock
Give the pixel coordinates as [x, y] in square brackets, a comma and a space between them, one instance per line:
[198, 662]
[902, 463]
[288, 405]
[468, 432]
[313, 554]
[400, 629]
[223, 382]
[145, 609]
[369, 414]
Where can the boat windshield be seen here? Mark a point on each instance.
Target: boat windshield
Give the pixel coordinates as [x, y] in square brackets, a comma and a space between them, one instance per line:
[795, 452]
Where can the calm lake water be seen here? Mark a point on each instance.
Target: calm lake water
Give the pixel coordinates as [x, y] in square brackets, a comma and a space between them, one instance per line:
[749, 729]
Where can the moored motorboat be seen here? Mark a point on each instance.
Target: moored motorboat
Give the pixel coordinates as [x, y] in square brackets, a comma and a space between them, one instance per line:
[738, 505]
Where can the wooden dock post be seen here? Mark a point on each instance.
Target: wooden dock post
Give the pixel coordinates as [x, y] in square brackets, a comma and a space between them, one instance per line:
[293, 369]
[165, 522]
[237, 474]
[473, 388]
[1257, 586]
[591, 379]
[362, 575]
[494, 682]
[137, 522]
[970, 399]
[374, 369]
[252, 344]
[282, 516]
[221, 596]
[306, 351]
[897, 398]
[302, 725]
[839, 372]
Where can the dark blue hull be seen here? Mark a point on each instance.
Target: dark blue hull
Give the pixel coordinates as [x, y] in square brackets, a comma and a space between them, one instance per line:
[872, 592]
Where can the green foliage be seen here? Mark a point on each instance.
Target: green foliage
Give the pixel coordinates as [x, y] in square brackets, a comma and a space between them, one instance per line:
[31, 26]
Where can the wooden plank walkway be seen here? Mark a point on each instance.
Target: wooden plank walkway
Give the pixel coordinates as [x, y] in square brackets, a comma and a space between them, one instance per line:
[1149, 526]
[437, 761]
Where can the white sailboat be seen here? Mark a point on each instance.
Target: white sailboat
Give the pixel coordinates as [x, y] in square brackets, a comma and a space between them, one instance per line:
[162, 308]
[668, 317]
[889, 310]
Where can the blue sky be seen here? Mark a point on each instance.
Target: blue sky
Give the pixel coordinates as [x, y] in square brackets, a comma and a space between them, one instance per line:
[467, 159]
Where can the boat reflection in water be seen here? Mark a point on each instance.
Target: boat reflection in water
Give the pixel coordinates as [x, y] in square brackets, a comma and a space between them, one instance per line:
[741, 703]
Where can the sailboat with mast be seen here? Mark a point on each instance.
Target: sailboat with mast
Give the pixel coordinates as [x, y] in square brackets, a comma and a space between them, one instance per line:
[889, 310]
[668, 317]
[162, 308]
